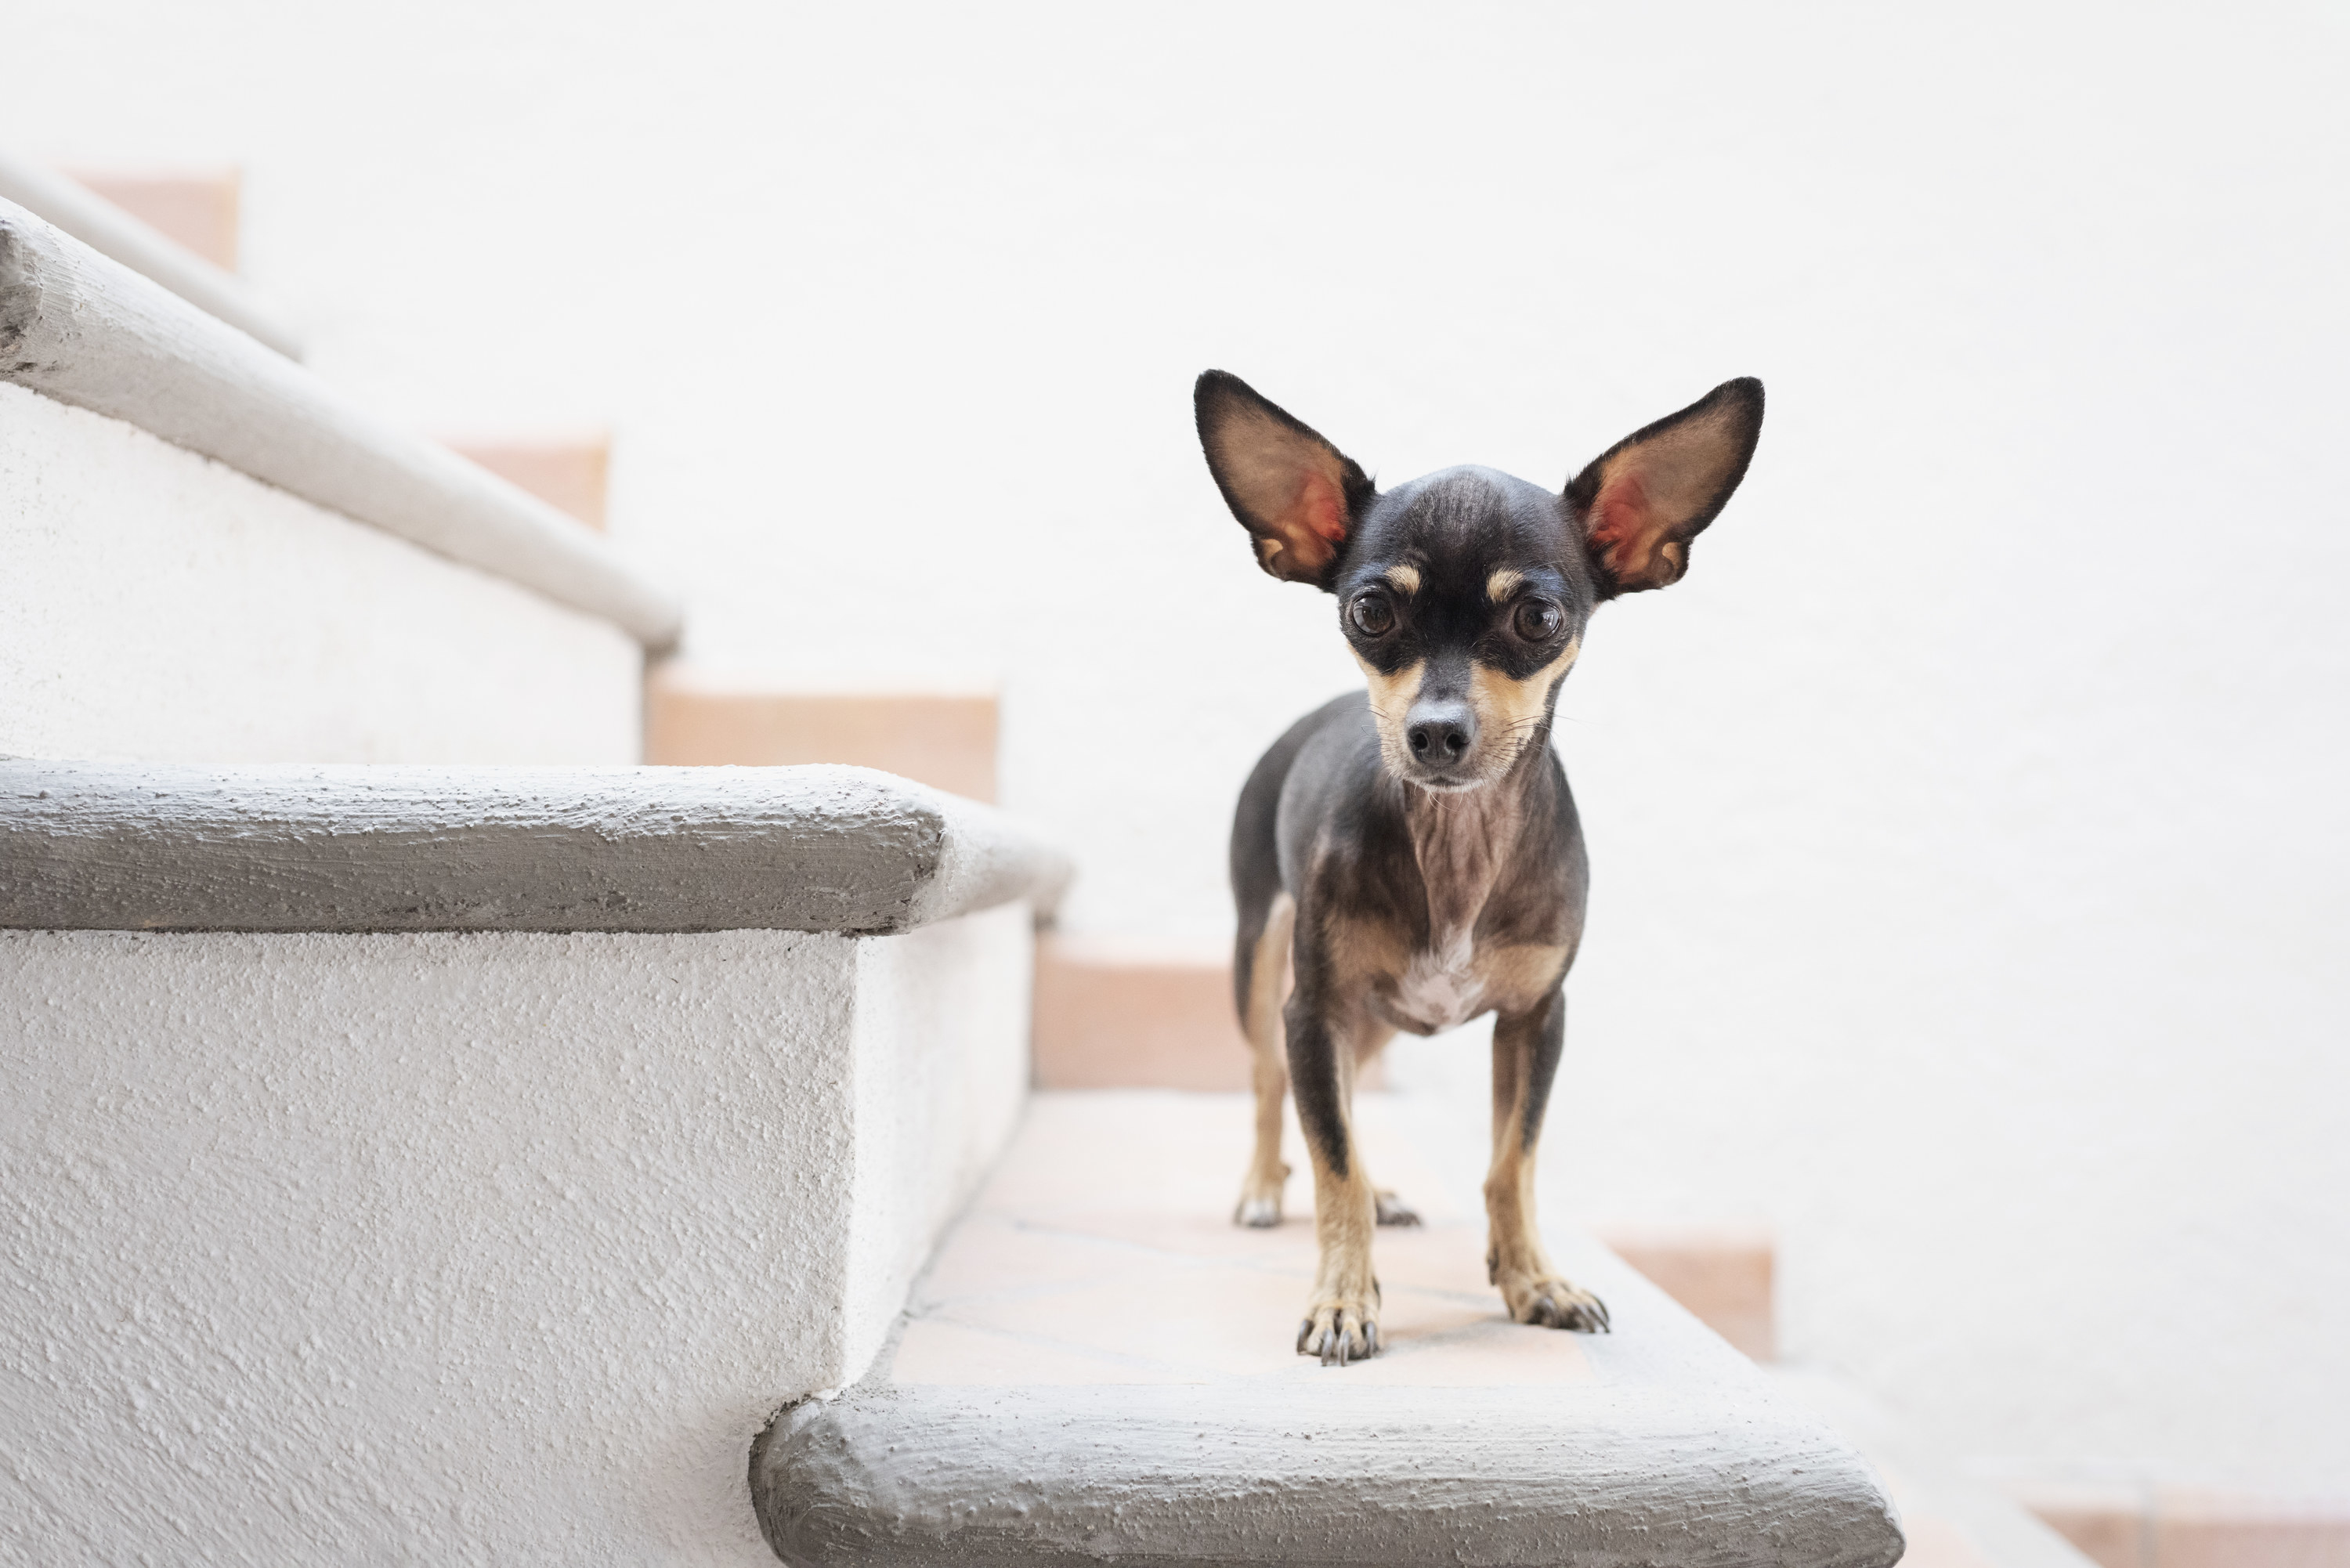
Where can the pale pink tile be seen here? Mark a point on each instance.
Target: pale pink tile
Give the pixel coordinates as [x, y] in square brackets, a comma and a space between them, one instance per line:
[936, 1351]
[988, 1254]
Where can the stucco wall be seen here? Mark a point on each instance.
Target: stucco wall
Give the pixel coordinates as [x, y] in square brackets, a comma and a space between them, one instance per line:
[1968, 872]
[941, 1075]
[480, 1248]
[158, 606]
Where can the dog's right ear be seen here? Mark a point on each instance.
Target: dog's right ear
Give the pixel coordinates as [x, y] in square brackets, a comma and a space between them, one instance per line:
[1296, 495]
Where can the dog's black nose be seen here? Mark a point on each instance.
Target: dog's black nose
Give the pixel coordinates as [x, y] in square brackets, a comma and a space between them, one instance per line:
[1439, 734]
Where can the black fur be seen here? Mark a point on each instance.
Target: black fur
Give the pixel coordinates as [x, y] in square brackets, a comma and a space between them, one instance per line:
[1432, 849]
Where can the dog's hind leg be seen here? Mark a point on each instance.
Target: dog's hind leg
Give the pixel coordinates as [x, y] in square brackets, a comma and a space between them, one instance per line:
[1527, 1050]
[1264, 982]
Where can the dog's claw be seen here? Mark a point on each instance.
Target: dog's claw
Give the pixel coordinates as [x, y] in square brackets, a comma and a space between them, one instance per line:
[1554, 1303]
[1339, 1334]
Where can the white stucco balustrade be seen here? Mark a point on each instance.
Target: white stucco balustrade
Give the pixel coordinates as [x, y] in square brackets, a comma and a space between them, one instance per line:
[396, 1164]
[213, 555]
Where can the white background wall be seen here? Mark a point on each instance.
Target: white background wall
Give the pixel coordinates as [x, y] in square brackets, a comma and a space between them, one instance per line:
[1970, 864]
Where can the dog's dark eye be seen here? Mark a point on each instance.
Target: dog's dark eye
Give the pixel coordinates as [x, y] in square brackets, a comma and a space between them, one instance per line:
[1372, 614]
[1538, 621]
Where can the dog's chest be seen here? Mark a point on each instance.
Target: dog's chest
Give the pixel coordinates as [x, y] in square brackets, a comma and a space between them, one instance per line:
[1460, 848]
[1440, 986]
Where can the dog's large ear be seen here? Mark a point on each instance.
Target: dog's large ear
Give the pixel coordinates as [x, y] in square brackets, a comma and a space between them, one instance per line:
[1296, 495]
[1643, 500]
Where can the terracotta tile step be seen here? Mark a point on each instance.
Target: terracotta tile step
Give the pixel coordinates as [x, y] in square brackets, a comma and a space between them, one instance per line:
[1951, 1520]
[2124, 1525]
[1724, 1275]
[1121, 1014]
[197, 208]
[700, 716]
[568, 469]
[1099, 1367]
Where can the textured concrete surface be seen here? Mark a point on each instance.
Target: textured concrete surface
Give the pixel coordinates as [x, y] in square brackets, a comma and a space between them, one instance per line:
[157, 605]
[81, 329]
[483, 1248]
[1099, 1367]
[1951, 1521]
[143, 846]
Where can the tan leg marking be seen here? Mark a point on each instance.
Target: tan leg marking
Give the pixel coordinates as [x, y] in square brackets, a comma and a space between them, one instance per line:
[1532, 1286]
[1521, 975]
[1342, 1316]
[1260, 1203]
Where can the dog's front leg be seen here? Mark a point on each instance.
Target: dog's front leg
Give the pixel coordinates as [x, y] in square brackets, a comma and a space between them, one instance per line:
[1267, 976]
[1527, 1050]
[1342, 1316]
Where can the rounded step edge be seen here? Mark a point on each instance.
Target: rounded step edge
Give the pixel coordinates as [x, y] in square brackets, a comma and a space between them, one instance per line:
[354, 847]
[912, 1478]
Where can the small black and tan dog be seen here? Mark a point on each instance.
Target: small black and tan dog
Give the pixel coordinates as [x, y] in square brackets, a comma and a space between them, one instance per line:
[1412, 860]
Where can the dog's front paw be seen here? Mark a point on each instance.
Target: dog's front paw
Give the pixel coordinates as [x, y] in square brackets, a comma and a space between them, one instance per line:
[1549, 1301]
[1341, 1331]
[1394, 1210]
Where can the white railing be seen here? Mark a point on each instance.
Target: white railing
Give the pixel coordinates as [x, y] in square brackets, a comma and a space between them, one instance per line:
[462, 1164]
[83, 329]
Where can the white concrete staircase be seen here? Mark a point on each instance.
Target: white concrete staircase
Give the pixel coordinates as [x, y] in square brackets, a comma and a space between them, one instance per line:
[462, 1164]
[425, 1135]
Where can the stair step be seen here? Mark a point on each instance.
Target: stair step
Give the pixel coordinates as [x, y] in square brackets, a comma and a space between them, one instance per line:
[568, 471]
[1097, 1368]
[197, 208]
[77, 210]
[461, 1164]
[697, 716]
[1723, 1274]
[1951, 1520]
[2119, 1524]
[1120, 1014]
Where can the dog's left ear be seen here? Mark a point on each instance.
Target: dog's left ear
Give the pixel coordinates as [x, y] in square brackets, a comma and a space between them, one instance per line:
[1298, 496]
[1643, 500]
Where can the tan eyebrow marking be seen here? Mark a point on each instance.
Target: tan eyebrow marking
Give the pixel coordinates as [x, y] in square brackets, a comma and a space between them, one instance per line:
[1405, 577]
[1503, 584]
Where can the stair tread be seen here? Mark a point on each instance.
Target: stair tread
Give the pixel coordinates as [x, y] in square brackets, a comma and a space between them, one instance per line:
[1097, 1368]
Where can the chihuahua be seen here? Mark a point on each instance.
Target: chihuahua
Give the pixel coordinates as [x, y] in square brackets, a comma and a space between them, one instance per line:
[1410, 857]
